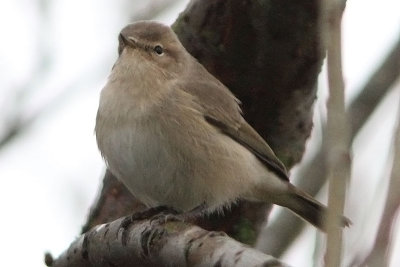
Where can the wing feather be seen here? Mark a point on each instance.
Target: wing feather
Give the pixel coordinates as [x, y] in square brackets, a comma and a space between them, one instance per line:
[222, 110]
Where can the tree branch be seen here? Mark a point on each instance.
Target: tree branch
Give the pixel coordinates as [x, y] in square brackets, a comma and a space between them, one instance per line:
[150, 243]
[337, 140]
[282, 231]
[18, 121]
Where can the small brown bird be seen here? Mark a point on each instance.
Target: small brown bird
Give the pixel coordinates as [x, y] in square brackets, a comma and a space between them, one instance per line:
[175, 136]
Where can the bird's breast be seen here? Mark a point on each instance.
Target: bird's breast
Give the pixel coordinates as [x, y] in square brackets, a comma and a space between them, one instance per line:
[141, 142]
[167, 154]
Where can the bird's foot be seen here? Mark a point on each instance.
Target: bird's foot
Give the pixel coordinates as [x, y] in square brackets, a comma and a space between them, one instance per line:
[166, 216]
[147, 214]
[189, 215]
[195, 212]
[163, 214]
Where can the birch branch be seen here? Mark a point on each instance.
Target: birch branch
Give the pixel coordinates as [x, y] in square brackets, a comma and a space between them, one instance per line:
[151, 243]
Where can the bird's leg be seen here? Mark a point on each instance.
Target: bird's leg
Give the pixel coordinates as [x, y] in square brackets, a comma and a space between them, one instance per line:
[195, 212]
[164, 217]
[146, 214]
[163, 214]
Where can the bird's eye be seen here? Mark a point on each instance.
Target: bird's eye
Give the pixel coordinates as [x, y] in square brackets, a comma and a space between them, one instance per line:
[159, 50]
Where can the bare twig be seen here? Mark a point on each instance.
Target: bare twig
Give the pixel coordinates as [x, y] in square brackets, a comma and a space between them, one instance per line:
[16, 121]
[376, 88]
[151, 243]
[337, 141]
[312, 175]
[23, 121]
[19, 121]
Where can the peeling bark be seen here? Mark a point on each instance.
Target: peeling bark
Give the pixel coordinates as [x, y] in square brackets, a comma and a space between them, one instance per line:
[158, 243]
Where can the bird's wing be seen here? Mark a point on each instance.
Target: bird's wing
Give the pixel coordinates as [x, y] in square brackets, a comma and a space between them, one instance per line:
[221, 109]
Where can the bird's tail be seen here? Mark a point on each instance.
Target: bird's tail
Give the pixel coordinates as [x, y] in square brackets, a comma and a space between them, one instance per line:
[309, 209]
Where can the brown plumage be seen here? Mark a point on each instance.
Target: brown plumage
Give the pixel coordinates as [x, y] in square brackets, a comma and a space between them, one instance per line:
[175, 135]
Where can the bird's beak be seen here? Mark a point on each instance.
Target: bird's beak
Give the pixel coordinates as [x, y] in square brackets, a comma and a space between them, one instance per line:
[125, 41]
[130, 41]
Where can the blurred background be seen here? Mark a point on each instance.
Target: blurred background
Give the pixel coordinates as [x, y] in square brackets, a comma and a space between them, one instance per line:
[55, 57]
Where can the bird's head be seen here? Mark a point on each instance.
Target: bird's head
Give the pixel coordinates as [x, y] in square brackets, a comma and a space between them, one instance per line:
[154, 46]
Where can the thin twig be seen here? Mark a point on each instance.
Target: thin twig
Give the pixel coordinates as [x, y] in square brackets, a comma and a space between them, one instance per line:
[337, 141]
[312, 175]
[21, 121]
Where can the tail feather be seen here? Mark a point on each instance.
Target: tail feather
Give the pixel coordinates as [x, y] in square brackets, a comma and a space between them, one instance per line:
[310, 209]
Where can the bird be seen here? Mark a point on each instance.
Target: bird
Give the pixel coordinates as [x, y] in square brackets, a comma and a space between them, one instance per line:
[175, 135]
